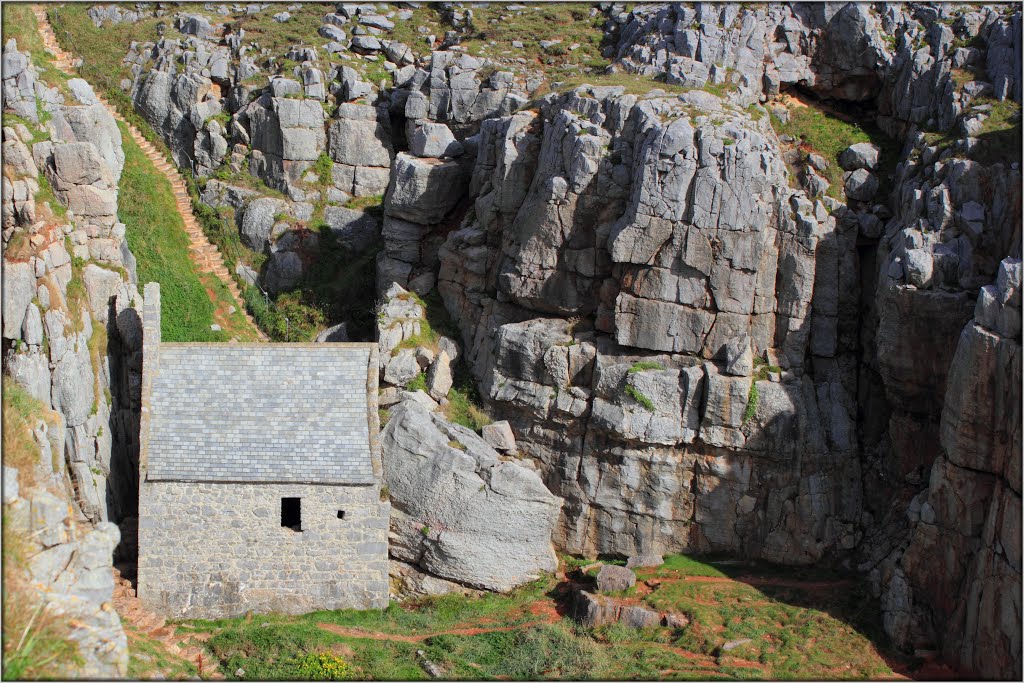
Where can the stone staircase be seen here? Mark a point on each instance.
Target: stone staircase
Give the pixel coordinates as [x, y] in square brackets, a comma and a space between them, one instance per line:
[131, 610]
[205, 255]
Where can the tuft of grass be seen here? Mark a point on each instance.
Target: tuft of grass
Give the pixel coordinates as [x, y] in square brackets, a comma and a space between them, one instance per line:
[638, 396]
[418, 383]
[463, 408]
[156, 235]
[1000, 137]
[97, 352]
[21, 414]
[19, 248]
[367, 203]
[752, 400]
[642, 365]
[322, 168]
[45, 194]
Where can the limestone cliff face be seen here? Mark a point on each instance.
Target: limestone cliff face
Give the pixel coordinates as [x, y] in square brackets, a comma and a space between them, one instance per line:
[698, 347]
[71, 338]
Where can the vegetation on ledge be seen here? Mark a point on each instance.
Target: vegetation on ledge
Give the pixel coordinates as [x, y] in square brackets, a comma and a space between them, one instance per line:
[782, 622]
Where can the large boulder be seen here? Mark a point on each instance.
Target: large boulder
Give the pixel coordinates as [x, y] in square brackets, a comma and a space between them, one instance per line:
[258, 220]
[358, 139]
[424, 190]
[458, 511]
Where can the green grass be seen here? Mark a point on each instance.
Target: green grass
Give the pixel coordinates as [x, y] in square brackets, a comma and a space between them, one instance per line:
[20, 23]
[569, 22]
[797, 630]
[369, 203]
[464, 408]
[752, 400]
[156, 235]
[147, 658]
[1000, 137]
[821, 132]
[639, 397]
[642, 365]
[103, 49]
[418, 383]
[559, 651]
[322, 168]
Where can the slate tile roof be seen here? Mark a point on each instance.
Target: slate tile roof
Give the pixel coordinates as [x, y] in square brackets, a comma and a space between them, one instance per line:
[262, 413]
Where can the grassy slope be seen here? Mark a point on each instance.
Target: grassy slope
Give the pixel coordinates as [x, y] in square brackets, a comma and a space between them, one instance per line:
[156, 235]
[802, 623]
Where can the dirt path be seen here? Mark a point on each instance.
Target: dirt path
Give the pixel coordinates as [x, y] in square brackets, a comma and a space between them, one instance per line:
[205, 255]
[155, 627]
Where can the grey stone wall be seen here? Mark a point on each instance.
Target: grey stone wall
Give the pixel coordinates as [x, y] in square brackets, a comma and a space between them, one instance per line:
[217, 550]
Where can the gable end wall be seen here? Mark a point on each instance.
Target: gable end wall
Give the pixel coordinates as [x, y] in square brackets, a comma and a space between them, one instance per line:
[212, 550]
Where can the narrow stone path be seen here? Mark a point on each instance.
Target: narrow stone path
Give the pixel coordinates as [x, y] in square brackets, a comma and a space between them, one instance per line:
[131, 610]
[205, 255]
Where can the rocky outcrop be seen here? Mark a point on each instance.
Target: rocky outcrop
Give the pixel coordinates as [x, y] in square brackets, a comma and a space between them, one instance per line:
[69, 571]
[901, 56]
[667, 228]
[459, 511]
[963, 562]
[72, 341]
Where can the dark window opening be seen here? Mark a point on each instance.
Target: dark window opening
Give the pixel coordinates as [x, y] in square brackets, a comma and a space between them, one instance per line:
[341, 514]
[291, 513]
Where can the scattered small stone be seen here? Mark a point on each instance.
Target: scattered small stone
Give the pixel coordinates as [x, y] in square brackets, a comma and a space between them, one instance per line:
[215, 327]
[733, 644]
[239, 672]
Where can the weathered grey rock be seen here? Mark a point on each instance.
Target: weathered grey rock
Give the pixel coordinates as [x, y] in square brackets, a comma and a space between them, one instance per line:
[48, 513]
[645, 560]
[594, 610]
[19, 286]
[739, 358]
[359, 142]
[10, 485]
[100, 285]
[402, 368]
[498, 435]
[195, 25]
[861, 185]
[335, 333]
[861, 155]
[612, 578]
[356, 230]
[32, 328]
[460, 513]
[31, 371]
[434, 140]
[439, 376]
[422, 190]
[258, 220]
[365, 44]
[635, 616]
[284, 271]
